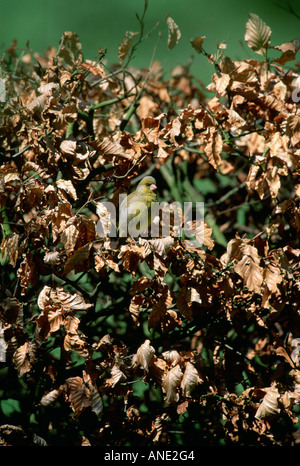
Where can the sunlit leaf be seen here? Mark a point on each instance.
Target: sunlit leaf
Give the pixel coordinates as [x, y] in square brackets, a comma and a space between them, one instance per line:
[257, 34]
[214, 147]
[174, 33]
[143, 355]
[126, 45]
[190, 379]
[170, 385]
[21, 359]
[269, 405]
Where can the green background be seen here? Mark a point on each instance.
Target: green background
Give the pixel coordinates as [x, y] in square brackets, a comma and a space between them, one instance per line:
[103, 23]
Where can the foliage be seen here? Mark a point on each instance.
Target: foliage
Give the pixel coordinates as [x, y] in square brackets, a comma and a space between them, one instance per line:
[150, 341]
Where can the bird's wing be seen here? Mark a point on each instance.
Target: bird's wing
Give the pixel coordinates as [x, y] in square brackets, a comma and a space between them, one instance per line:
[134, 208]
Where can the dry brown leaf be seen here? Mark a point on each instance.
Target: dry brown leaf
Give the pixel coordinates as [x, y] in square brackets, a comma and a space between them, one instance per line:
[79, 260]
[269, 405]
[251, 273]
[282, 352]
[96, 403]
[55, 319]
[104, 225]
[126, 45]
[134, 308]
[220, 82]
[185, 299]
[10, 244]
[110, 148]
[174, 33]
[170, 385]
[116, 376]
[131, 255]
[190, 379]
[49, 296]
[157, 368]
[293, 129]
[272, 277]
[201, 231]
[67, 186]
[79, 394]
[289, 50]
[257, 34]
[213, 148]
[27, 272]
[143, 356]
[11, 311]
[21, 359]
[52, 258]
[170, 321]
[234, 121]
[172, 357]
[73, 341]
[198, 43]
[50, 397]
[157, 315]
[160, 245]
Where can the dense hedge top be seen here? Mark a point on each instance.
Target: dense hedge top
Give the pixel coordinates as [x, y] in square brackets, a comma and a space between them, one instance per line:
[156, 340]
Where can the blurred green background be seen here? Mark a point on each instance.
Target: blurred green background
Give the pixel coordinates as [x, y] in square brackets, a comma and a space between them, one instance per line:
[103, 23]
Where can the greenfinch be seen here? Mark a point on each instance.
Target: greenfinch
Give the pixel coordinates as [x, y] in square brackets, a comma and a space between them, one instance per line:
[135, 209]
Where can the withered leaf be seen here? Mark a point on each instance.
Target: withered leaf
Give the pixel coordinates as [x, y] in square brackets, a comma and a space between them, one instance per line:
[70, 49]
[126, 45]
[269, 405]
[112, 148]
[67, 186]
[185, 299]
[174, 33]
[105, 225]
[79, 394]
[49, 296]
[50, 397]
[289, 50]
[172, 357]
[143, 355]
[201, 231]
[134, 307]
[27, 272]
[250, 271]
[10, 244]
[257, 34]
[213, 148]
[198, 43]
[220, 83]
[21, 359]
[79, 260]
[117, 376]
[190, 379]
[170, 385]
[96, 402]
[293, 129]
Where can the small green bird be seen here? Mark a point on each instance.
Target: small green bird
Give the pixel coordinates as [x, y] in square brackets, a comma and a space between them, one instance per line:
[135, 209]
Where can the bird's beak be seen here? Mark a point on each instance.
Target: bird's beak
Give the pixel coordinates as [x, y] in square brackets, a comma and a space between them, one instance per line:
[153, 187]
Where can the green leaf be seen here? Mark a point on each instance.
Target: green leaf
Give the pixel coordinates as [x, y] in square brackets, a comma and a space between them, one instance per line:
[174, 33]
[10, 406]
[257, 34]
